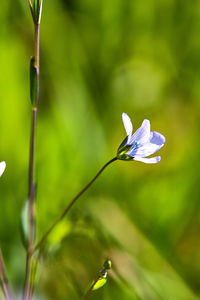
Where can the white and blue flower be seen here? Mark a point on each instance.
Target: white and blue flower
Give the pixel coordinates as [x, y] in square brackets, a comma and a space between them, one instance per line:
[2, 167]
[141, 144]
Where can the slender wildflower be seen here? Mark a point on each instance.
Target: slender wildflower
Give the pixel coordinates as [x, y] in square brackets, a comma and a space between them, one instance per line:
[134, 147]
[141, 144]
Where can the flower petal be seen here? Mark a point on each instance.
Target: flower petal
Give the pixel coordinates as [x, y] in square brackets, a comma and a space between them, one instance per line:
[152, 160]
[2, 167]
[142, 134]
[157, 138]
[127, 124]
[145, 150]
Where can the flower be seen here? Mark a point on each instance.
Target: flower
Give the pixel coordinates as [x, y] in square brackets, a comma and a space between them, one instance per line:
[141, 144]
[2, 167]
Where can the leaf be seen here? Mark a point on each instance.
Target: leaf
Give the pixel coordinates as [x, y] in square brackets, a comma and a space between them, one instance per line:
[33, 82]
[59, 232]
[37, 10]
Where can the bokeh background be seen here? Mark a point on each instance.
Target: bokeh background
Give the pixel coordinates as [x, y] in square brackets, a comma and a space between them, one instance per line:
[99, 59]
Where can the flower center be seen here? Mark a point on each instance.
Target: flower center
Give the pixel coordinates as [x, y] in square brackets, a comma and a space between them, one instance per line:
[135, 145]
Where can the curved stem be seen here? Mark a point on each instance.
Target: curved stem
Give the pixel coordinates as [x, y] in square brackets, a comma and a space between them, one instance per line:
[70, 205]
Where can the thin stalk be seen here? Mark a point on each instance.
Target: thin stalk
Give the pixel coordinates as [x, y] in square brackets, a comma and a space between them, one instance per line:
[27, 294]
[31, 180]
[62, 215]
[32, 146]
[34, 266]
[31, 267]
[27, 277]
[5, 285]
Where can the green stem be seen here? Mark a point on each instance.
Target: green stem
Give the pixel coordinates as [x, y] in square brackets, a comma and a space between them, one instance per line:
[34, 264]
[31, 181]
[27, 276]
[5, 285]
[70, 205]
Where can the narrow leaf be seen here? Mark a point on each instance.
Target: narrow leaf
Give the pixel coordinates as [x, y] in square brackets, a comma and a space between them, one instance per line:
[40, 11]
[37, 9]
[33, 82]
[24, 224]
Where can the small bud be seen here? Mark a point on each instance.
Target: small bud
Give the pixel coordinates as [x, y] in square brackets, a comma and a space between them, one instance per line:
[107, 264]
[101, 280]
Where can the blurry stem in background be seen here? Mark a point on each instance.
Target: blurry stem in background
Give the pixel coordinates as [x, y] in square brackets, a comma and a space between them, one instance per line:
[39, 244]
[31, 230]
[5, 285]
[34, 264]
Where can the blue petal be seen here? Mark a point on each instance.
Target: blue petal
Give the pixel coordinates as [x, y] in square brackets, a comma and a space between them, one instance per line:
[145, 150]
[142, 134]
[157, 138]
[154, 144]
[152, 160]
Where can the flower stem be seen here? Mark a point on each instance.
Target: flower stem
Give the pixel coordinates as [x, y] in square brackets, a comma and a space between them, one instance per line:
[62, 215]
[5, 285]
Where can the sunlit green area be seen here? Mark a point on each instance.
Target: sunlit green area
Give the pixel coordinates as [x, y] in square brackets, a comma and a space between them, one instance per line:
[99, 59]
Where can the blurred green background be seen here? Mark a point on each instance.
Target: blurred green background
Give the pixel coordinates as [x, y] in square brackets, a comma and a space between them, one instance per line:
[99, 59]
